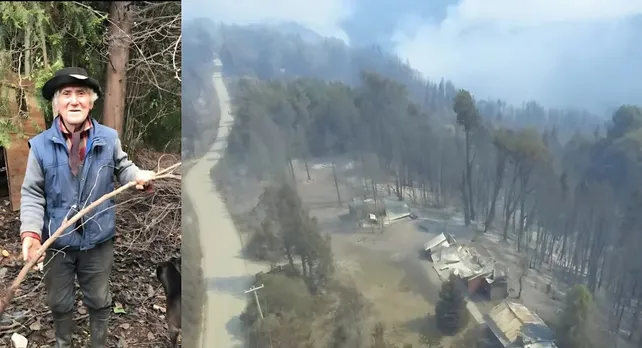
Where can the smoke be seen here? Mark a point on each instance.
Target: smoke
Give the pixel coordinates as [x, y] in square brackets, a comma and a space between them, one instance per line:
[581, 53]
[323, 17]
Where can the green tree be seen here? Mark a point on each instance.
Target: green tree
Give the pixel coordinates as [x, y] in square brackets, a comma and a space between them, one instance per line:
[379, 336]
[286, 305]
[573, 327]
[626, 118]
[451, 313]
[468, 118]
[299, 233]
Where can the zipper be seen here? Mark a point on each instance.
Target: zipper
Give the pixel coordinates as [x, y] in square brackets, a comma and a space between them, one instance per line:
[83, 175]
[93, 143]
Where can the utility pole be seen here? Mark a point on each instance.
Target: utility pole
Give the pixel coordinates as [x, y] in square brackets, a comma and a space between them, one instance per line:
[256, 298]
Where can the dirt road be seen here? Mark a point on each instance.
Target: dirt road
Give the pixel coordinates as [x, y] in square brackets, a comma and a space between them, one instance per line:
[226, 273]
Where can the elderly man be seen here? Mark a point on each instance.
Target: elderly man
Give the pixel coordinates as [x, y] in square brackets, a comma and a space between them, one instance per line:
[71, 165]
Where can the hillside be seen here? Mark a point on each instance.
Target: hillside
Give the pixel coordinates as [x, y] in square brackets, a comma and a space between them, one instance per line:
[550, 194]
[267, 52]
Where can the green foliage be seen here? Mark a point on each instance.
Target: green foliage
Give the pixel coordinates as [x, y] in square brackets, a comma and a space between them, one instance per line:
[572, 330]
[277, 121]
[299, 235]
[66, 33]
[464, 107]
[287, 308]
[40, 78]
[627, 118]
[451, 313]
[46, 23]
[7, 126]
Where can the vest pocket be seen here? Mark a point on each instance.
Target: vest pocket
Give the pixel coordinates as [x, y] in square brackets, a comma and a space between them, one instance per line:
[53, 186]
[69, 237]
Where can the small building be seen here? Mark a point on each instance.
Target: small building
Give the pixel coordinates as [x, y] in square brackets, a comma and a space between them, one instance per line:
[19, 95]
[513, 325]
[388, 209]
[488, 284]
[395, 210]
[496, 288]
[361, 209]
[478, 282]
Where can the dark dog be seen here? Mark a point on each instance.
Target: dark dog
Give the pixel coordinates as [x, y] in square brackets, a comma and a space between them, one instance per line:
[169, 274]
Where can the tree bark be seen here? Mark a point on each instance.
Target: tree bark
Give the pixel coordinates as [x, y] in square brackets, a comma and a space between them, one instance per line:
[116, 78]
[27, 67]
[469, 180]
[336, 184]
[499, 179]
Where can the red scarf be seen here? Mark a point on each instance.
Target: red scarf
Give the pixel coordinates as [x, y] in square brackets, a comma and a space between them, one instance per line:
[76, 143]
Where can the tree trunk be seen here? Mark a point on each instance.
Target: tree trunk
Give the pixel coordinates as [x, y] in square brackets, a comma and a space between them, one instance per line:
[520, 233]
[291, 166]
[288, 254]
[464, 194]
[521, 284]
[469, 180]
[27, 49]
[336, 184]
[116, 77]
[43, 46]
[303, 266]
[499, 178]
[510, 203]
[307, 170]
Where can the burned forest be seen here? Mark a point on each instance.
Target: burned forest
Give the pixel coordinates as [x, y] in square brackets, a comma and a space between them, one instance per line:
[557, 188]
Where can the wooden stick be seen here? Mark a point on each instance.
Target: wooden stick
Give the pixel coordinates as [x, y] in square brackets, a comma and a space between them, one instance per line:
[4, 303]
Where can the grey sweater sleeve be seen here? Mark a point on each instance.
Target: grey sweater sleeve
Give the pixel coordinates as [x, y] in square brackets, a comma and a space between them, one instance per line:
[32, 201]
[124, 168]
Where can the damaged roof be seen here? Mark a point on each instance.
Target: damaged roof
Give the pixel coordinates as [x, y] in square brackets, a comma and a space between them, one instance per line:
[510, 320]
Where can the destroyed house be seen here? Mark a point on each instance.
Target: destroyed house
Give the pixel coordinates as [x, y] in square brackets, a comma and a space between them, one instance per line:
[442, 241]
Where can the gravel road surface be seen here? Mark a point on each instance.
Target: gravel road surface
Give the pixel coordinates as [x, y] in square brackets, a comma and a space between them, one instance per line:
[226, 273]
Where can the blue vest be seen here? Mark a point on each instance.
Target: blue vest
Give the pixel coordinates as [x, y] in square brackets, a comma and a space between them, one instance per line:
[66, 194]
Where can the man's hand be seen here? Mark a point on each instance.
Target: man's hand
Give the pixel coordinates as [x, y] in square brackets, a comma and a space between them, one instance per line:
[30, 246]
[144, 178]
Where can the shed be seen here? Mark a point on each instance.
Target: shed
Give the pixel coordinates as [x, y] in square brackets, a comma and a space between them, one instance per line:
[477, 282]
[514, 325]
[29, 120]
[396, 210]
[361, 209]
[497, 288]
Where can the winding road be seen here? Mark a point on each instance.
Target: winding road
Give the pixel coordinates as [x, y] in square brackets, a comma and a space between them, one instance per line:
[226, 274]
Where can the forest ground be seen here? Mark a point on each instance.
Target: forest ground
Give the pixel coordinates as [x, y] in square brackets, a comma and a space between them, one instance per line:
[140, 321]
[386, 267]
[385, 257]
[401, 288]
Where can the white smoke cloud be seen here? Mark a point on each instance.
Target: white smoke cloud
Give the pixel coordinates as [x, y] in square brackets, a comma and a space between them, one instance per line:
[321, 16]
[555, 51]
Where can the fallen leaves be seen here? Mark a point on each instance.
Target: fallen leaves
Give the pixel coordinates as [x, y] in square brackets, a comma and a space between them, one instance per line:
[118, 308]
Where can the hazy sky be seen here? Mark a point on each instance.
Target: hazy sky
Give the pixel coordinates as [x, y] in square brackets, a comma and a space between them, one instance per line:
[559, 52]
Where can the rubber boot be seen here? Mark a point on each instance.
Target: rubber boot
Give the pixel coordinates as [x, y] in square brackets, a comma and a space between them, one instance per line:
[98, 327]
[64, 329]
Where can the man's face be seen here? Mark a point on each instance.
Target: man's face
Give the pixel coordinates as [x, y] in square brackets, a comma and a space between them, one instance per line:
[74, 104]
